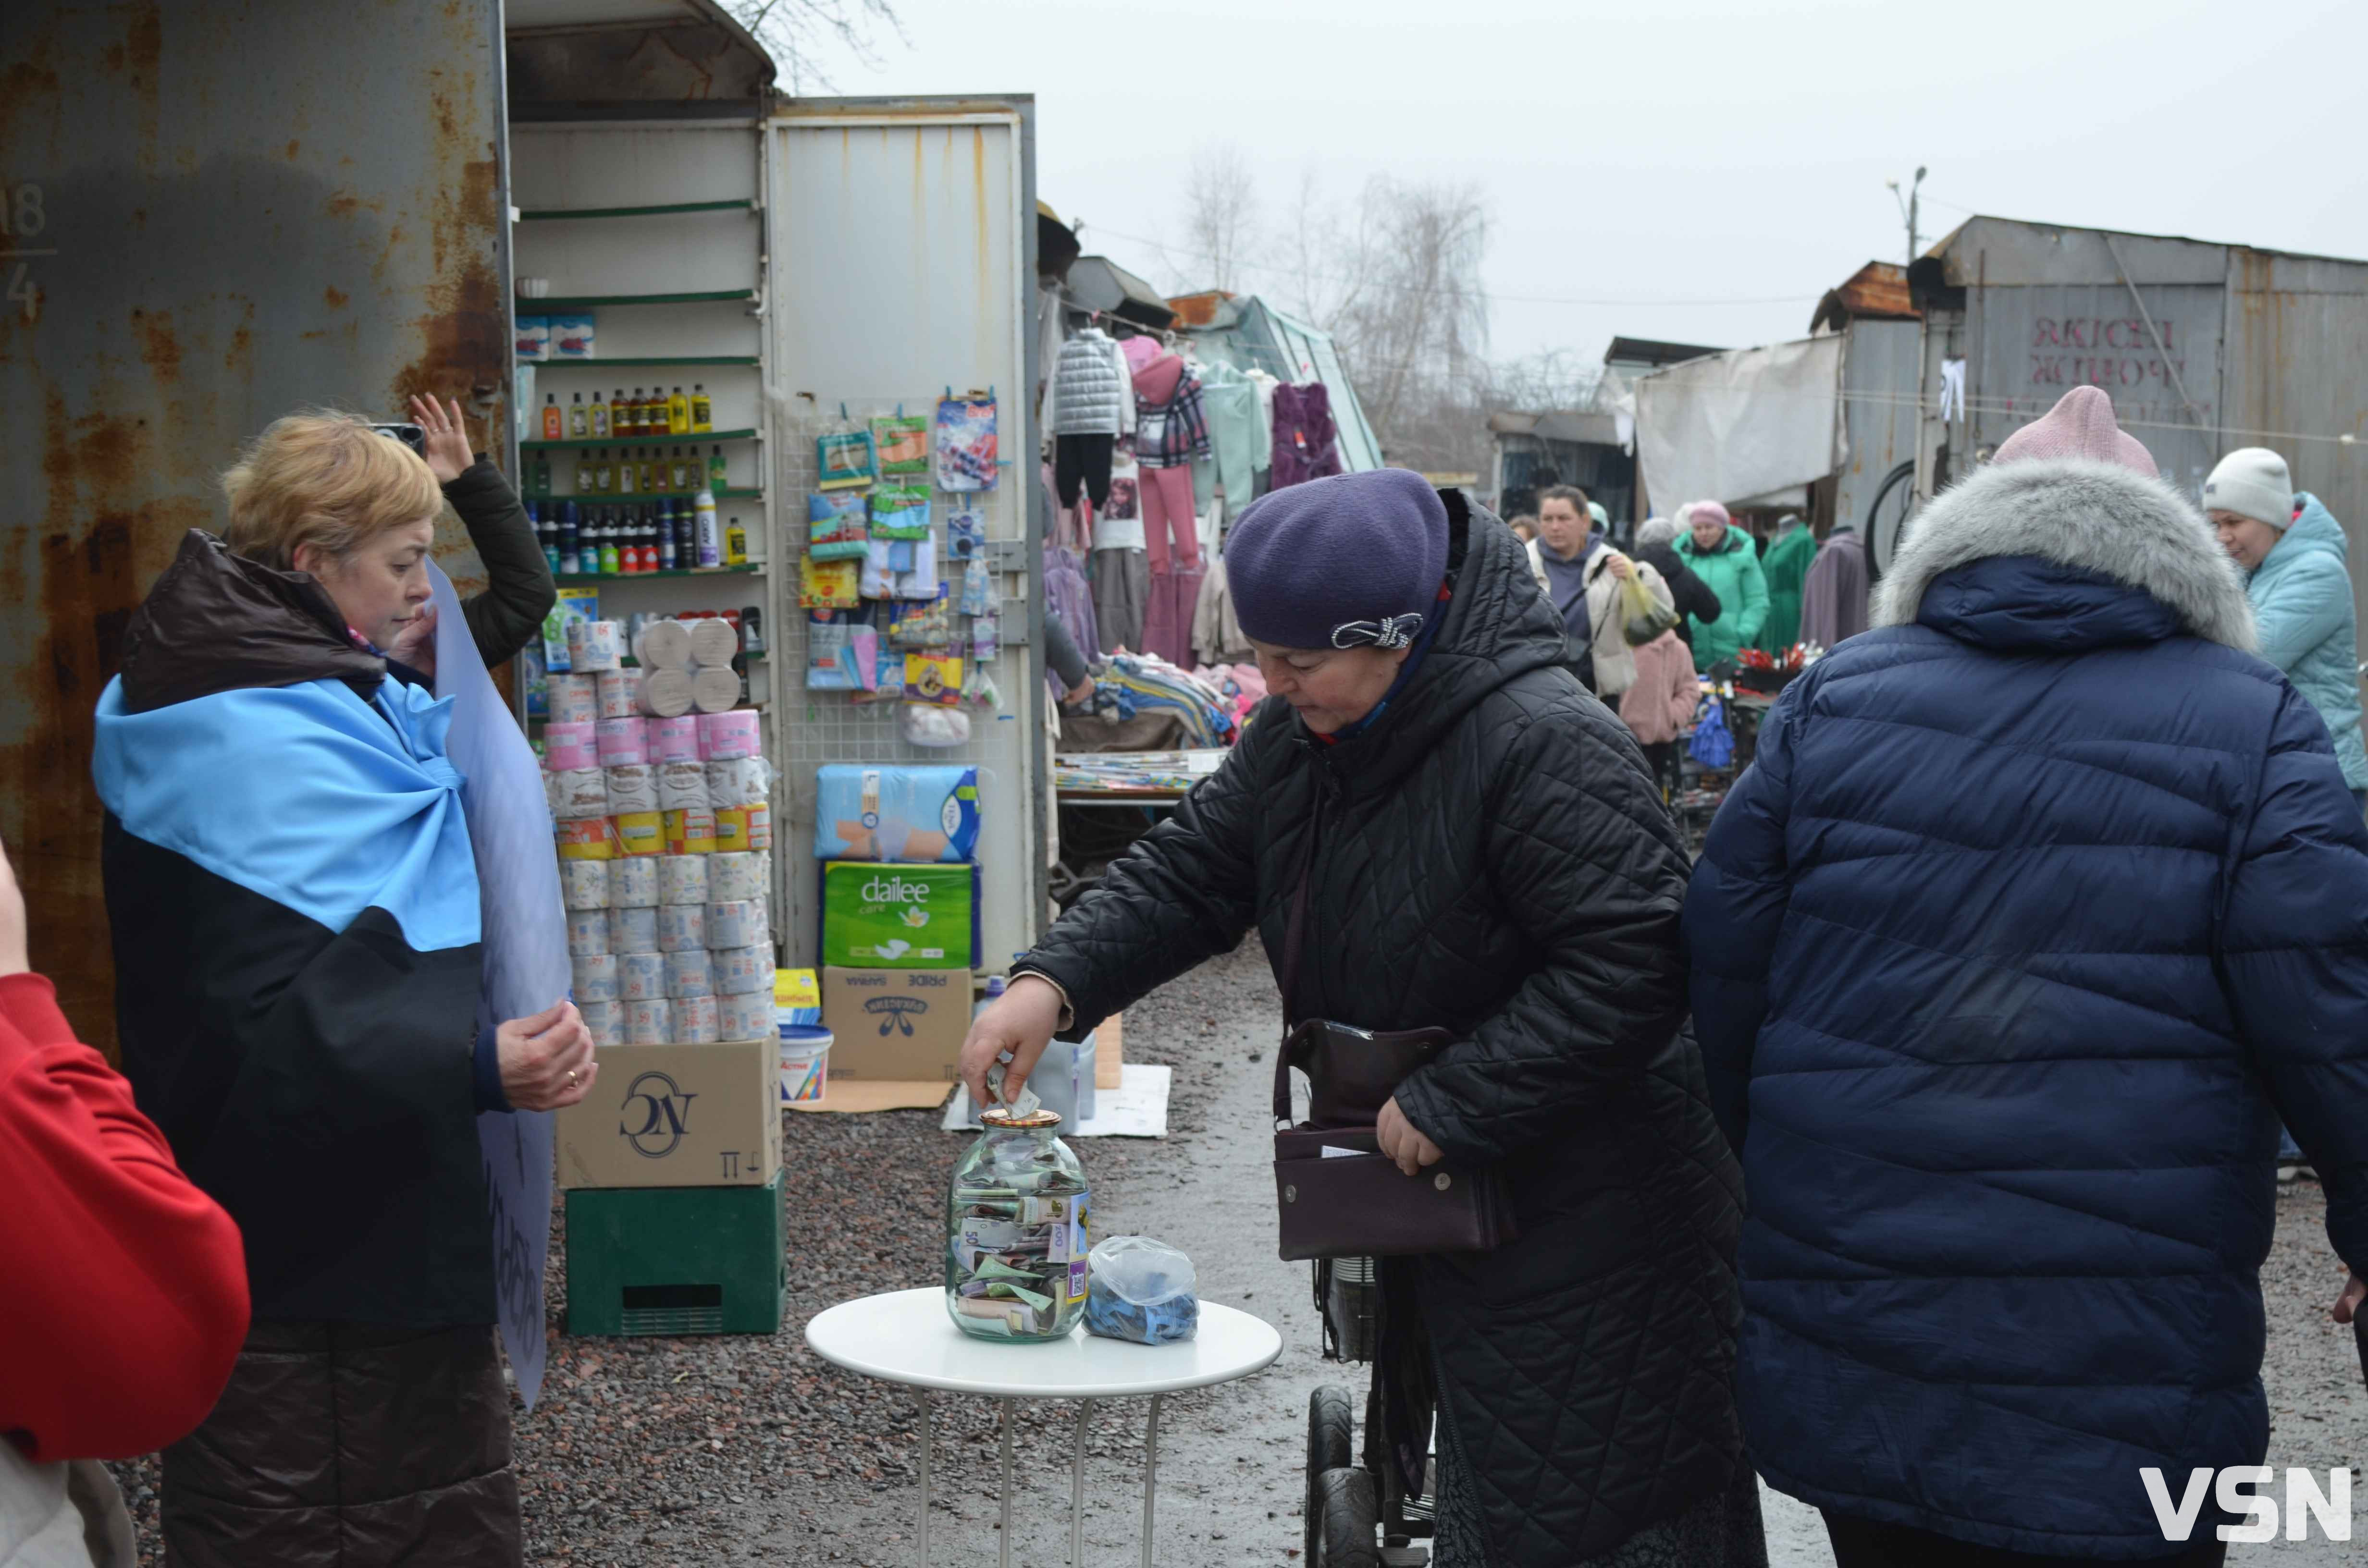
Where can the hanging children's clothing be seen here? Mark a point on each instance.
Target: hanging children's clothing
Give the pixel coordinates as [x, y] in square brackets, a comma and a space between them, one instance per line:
[1119, 570]
[1093, 405]
[1306, 441]
[1241, 436]
[1169, 434]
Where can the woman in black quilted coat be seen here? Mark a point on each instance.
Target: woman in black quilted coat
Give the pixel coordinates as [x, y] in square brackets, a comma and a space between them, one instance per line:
[1485, 853]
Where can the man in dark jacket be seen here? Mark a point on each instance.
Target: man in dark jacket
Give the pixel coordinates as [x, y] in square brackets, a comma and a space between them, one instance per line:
[1695, 601]
[1481, 851]
[2040, 903]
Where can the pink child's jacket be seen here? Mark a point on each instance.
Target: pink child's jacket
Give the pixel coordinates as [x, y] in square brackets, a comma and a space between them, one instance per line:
[1665, 693]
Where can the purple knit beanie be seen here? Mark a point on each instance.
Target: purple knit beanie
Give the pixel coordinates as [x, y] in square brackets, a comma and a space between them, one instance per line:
[1352, 561]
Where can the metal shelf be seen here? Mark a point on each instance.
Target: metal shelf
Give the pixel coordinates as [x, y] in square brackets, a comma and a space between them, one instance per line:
[584, 302]
[752, 569]
[689, 436]
[556, 214]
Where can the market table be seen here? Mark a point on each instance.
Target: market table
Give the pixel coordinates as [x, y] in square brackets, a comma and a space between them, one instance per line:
[1131, 779]
[905, 1336]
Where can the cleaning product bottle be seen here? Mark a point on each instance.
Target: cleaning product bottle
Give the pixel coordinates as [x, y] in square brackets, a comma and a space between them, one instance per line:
[620, 416]
[709, 534]
[582, 472]
[735, 544]
[579, 423]
[677, 414]
[542, 473]
[571, 540]
[715, 469]
[599, 418]
[653, 559]
[610, 562]
[661, 531]
[702, 412]
[684, 476]
[550, 431]
[604, 477]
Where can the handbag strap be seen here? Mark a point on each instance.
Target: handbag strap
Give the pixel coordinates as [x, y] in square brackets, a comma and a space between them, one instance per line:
[1294, 934]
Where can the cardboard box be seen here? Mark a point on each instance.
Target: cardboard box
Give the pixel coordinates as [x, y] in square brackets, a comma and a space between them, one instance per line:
[886, 917]
[675, 1260]
[676, 1116]
[900, 1024]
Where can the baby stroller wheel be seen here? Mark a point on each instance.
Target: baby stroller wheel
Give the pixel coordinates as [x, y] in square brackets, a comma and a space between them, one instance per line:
[1351, 1520]
[1331, 1441]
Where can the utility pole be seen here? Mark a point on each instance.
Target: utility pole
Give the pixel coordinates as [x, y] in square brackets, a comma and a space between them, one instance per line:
[1907, 209]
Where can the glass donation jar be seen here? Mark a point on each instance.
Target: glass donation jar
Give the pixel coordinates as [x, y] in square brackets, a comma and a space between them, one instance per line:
[1016, 1232]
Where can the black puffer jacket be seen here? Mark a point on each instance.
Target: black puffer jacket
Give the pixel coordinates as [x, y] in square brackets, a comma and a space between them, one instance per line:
[1491, 858]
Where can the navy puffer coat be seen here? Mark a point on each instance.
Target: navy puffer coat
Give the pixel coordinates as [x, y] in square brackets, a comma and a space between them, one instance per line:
[2041, 904]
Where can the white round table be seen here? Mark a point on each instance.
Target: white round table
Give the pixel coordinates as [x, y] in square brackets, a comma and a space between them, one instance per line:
[905, 1336]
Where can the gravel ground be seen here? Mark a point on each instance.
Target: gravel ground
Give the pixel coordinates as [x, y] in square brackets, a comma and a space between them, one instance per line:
[697, 1452]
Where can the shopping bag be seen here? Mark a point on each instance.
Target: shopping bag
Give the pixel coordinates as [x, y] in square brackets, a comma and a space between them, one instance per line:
[1642, 616]
[1713, 747]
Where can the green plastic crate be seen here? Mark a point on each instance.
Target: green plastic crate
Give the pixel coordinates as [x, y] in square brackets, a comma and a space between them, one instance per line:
[674, 1260]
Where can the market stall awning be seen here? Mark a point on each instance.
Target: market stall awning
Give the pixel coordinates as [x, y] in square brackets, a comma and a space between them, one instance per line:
[1097, 283]
[1742, 426]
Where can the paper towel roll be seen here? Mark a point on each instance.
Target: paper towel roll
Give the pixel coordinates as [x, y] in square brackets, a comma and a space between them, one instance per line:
[587, 933]
[682, 879]
[634, 930]
[578, 794]
[640, 977]
[607, 1022]
[632, 787]
[649, 1023]
[731, 877]
[744, 970]
[592, 645]
[690, 974]
[584, 883]
[715, 691]
[623, 742]
[682, 786]
[696, 1021]
[664, 646]
[616, 688]
[737, 923]
[729, 734]
[575, 699]
[634, 884]
[737, 781]
[569, 747]
[595, 979]
[681, 928]
[745, 1016]
[712, 642]
[663, 694]
[675, 739]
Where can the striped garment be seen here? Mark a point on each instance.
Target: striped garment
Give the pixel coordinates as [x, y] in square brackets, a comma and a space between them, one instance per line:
[1172, 434]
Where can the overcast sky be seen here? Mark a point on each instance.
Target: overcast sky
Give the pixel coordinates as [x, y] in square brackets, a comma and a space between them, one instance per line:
[1707, 168]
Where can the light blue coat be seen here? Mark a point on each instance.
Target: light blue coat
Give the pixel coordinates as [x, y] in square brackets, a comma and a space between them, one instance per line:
[2302, 603]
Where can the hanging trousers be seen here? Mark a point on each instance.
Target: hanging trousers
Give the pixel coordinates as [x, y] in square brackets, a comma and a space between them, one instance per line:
[1167, 506]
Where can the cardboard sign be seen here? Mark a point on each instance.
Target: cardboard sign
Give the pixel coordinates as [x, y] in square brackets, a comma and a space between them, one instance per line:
[896, 1025]
[884, 916]
[676, 1116]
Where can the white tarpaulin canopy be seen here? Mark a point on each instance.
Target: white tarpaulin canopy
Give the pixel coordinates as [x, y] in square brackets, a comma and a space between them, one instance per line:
[1738, 426]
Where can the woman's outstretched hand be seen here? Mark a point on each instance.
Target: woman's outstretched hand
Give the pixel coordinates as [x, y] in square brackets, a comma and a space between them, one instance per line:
[1020, 1021]
[447, 437]
[1404, 1142]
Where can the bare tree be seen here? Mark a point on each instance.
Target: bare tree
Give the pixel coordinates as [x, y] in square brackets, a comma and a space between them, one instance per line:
[1221, 217]
[799, 32]
[1413, 334]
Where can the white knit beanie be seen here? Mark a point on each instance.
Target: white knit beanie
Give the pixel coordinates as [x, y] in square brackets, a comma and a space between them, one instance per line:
[2252, 481]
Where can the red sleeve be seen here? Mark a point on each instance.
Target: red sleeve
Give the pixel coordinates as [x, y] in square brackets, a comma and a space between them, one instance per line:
[126, 1287]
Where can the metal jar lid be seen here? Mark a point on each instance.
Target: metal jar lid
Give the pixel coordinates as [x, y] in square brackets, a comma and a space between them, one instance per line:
[1004, 1117]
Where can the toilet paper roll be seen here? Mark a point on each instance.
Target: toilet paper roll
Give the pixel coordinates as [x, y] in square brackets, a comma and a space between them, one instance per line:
[623, 742]
[682, 879]
[664, 646]
[569, 747]
[760, 826]
[640, 832]
[715, 691]
[729, 734]
[592, 645]
[690, 831]
[737, 781]
[738, 922]
[634, 884]
[640, 977]
[696, 1021]
[732, 877]
[631, 930]
[592, 839]
[681, 786]
[607, 1022]
[578, 794]
[712, 642]
[587, 933]
[663, 694]
[745, 1016]
[616, 688]
[584, 883]
[681, 928]
[744, 970]
[575, 699]
[649, 1023]
[689, 975]
[632, 787]
[595, 979]
[675, 739]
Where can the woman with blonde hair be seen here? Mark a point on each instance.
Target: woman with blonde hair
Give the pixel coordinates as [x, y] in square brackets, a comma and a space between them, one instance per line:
[294, 900]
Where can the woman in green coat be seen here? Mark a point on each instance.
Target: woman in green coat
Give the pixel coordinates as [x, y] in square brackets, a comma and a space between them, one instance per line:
[1721, 556]
[1785, 566]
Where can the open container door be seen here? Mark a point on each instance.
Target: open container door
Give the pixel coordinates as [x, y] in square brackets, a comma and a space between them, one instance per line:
[903, 235]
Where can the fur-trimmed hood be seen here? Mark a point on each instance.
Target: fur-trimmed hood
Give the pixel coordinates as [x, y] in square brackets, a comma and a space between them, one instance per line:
[2089, 516]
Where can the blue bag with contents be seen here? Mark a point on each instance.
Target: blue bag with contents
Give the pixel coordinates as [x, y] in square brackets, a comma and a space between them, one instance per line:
[1140, 1289]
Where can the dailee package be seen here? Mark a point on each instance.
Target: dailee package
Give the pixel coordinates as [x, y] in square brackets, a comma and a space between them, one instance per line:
[916, 814]
[884, 916]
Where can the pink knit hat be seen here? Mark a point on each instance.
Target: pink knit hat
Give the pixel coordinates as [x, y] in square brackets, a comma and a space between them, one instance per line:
[2080, 426]
[1140, 351]
[1695, 509]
